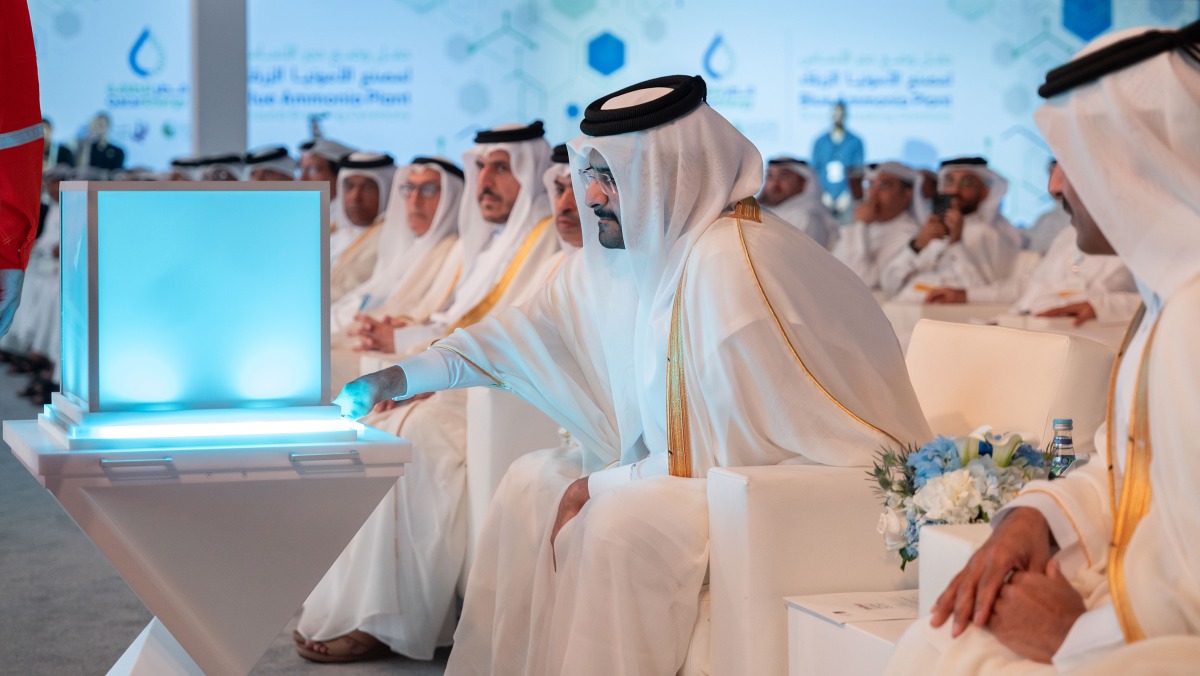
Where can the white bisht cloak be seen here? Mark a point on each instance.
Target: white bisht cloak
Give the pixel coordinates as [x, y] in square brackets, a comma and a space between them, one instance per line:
[1127, 144]
[397, 579]
[813, 374]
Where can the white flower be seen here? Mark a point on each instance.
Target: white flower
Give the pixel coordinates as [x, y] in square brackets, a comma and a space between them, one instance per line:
[893, 526]
[953, 497]
[1004, 446]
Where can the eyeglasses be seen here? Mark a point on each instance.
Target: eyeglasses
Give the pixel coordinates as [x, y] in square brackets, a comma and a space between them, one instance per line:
[604, 177]
[422, 189]
[967, 181]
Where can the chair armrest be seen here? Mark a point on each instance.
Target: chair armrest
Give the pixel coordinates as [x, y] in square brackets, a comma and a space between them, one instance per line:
[787, 530]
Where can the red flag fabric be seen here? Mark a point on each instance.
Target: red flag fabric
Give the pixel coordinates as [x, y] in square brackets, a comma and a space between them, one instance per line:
[20, 136]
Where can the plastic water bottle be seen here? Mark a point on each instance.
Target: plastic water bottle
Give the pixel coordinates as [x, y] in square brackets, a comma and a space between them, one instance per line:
[1063, 448]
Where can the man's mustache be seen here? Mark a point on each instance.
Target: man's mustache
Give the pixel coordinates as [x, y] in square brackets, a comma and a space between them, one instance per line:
[606, 214]
[1066, 207]
[487, 192]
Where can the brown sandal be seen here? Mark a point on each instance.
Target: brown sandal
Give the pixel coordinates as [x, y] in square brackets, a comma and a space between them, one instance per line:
[357, 646]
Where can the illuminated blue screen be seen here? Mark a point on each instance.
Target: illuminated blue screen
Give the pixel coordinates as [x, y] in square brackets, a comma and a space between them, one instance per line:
[208, 299]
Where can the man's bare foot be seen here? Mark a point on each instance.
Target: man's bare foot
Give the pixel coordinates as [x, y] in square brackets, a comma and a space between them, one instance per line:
[356, 646]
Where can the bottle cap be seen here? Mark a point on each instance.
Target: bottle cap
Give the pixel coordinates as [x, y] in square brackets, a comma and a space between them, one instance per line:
[1062, 421]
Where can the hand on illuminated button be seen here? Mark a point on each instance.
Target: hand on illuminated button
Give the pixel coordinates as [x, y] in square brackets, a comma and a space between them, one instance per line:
[359, 396]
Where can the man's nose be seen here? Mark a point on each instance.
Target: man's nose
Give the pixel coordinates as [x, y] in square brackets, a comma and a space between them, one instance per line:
[1055, 186]
[595, 196]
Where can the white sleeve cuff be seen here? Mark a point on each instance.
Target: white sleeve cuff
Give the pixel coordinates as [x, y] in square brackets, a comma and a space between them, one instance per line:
[609, 479]
[1070, 548]
[1094, 634]
[428, 371]
[437, 370]
[606, 480]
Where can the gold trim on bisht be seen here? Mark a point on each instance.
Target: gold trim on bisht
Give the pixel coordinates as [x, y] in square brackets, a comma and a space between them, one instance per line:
[783, 333]
[1135, 487]
[484, 307]
[679, 439]
[360, 239]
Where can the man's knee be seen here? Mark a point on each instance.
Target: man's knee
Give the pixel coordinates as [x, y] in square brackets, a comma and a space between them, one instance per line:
[649, 511]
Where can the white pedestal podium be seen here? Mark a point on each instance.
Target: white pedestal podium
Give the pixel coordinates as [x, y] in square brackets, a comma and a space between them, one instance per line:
[222, 544]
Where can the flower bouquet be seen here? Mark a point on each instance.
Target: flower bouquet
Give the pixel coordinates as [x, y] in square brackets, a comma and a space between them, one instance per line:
[950, 481]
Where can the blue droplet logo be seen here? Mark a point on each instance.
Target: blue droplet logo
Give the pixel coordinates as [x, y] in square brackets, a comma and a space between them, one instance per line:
[718, 58]
[146, 57]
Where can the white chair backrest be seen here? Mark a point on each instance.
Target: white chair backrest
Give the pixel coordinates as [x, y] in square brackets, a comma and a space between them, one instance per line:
[967, 375]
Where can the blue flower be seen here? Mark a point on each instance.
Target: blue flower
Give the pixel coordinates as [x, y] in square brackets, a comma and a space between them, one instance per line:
[933, 460]
[1031, 456]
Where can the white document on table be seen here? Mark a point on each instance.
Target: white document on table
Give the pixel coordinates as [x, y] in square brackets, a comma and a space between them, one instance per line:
[861, 606]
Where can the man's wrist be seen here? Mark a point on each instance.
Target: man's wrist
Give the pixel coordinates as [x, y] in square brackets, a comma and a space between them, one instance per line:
[395, 383]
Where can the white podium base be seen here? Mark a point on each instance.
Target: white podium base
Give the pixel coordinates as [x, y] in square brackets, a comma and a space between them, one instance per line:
[155, 652]
[222, 545]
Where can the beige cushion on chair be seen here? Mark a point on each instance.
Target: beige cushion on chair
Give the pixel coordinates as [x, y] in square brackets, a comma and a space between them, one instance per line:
[1016, 381]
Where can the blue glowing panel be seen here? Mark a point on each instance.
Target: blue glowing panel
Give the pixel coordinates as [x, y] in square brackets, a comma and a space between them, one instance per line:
[74, 270]
[208, 299]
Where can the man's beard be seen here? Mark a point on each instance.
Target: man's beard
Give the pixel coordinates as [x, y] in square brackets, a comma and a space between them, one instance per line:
[608, 238]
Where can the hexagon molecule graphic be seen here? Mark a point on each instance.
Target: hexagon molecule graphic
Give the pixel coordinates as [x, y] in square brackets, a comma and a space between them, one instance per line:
[573, 9]
[1087, 18]
[606, 53]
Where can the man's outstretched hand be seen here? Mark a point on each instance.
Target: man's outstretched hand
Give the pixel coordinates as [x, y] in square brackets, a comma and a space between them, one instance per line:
[359, 396]
[1022, 542]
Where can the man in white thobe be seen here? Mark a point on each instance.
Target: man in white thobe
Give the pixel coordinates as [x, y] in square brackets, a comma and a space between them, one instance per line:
[506, 234]
[969, 245]
[883, 223]
[1065, 283]
[364, 183]
[693, 326]
[792, 191]
[561, 190]
[1095, 572]
[394, 588]
[320, 160]
[418, 262]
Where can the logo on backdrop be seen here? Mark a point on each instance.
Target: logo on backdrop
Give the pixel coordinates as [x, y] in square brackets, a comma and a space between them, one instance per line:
[146, 56]
[718, 58]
